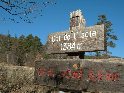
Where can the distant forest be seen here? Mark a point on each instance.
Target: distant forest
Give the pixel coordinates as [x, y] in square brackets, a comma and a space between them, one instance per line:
[20, 47]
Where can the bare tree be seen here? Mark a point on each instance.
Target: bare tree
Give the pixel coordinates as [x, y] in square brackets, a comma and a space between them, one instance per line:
[26, 10]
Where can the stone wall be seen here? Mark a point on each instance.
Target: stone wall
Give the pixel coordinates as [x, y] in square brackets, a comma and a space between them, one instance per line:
[81, 74]
[20, 79]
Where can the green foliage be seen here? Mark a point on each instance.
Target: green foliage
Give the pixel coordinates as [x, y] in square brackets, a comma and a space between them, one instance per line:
[21, 46]
[46, 56]
[110, 36]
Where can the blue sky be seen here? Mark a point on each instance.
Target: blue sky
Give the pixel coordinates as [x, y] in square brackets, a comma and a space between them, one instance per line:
[56, 18]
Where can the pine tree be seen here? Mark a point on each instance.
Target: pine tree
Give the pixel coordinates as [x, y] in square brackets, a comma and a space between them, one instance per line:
[37, 45]
[110, 36]
[9, 42]
[29, 43]
[20, 52]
